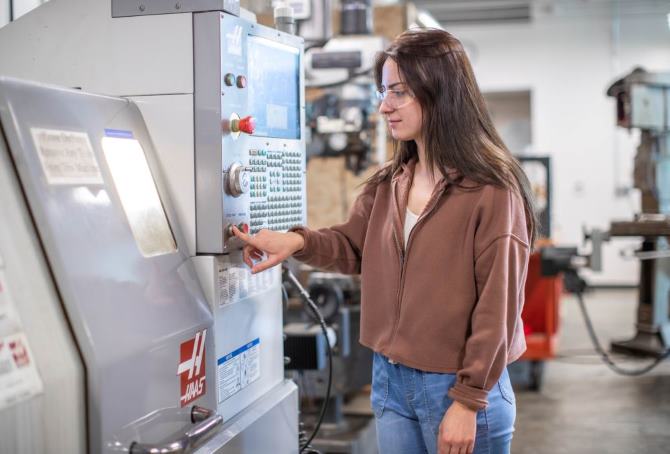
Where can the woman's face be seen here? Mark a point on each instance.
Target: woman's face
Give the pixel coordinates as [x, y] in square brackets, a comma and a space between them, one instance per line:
[401, 110]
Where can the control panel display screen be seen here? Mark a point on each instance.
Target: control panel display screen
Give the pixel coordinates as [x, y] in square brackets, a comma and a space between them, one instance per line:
[274, 88]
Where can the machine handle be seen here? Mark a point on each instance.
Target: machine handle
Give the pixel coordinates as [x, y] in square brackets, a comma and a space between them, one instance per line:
[205, 421]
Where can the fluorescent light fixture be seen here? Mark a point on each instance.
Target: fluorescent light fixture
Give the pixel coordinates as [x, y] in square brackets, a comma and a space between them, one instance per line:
[425, 20]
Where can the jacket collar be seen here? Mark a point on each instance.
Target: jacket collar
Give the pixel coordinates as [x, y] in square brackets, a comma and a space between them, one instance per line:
[401, 183]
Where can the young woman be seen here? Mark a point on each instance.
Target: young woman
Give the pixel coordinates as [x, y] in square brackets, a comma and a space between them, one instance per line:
[441, 238]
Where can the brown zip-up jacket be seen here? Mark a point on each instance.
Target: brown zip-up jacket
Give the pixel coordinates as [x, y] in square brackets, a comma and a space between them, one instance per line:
[449, 301]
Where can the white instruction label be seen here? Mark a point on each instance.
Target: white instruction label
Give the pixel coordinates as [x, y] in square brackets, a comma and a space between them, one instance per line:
[238, 369]
[67, 157]
[19, 379]
[237, 282]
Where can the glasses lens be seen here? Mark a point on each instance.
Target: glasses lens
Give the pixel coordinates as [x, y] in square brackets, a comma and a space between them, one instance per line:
[394, 98]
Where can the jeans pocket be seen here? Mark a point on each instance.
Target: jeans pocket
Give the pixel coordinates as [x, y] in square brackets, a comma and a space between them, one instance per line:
[506, 390]
[380, 385]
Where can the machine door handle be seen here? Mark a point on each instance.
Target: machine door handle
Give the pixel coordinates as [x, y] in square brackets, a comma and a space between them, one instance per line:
[204, 420]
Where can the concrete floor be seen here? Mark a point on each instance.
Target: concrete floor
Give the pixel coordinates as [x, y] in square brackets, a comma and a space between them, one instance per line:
[585, 408]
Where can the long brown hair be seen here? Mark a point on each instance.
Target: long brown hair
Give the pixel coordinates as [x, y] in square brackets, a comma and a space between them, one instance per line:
[457, 129]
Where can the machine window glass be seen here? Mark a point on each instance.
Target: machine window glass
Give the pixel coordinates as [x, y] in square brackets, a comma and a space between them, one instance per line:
[139, 196]
[274, 88]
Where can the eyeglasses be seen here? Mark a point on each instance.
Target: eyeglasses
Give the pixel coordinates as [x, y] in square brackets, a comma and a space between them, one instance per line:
[395, 99]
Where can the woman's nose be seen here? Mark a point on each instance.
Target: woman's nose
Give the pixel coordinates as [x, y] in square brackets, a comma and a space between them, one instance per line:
[384, 108]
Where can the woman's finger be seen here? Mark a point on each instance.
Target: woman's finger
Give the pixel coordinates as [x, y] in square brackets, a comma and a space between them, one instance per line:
[248, 239]
[443, 447]
[246, 251]
[264, 265]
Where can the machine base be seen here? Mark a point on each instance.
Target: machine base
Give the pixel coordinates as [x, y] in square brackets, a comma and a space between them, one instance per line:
[643, 344]
[269, 425]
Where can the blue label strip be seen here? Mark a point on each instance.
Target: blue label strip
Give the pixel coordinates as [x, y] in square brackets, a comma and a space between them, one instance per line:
[119, 133]
[240, 350]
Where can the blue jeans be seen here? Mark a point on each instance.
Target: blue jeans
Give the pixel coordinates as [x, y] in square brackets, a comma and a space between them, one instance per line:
[409, 405]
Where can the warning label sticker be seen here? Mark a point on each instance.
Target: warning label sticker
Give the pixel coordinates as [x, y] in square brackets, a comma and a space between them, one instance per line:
[238, 369]
[191, 368]
[18, 375]
[19, 379]
[237, 282]
[67, 157]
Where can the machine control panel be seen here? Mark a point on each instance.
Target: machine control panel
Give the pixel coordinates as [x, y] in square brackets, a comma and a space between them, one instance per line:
[253, 134]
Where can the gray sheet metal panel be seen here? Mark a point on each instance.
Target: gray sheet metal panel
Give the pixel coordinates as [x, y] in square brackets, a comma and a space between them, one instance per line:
[269, 425]
[148, 7]
[170, 120]
[207, 120]
[54, 421]
[129, 313]
[238, 321]
[77, 43]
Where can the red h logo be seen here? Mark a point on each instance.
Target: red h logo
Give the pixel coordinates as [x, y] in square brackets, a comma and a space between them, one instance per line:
[192, 368]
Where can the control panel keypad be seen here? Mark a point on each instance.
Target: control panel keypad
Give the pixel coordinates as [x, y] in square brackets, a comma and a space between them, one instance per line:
[276, 189]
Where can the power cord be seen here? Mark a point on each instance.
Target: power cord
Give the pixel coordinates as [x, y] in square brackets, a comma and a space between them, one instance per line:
[575, 284]
[290, 277]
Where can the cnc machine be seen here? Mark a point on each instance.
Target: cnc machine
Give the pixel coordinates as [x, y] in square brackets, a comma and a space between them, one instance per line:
[217, 107]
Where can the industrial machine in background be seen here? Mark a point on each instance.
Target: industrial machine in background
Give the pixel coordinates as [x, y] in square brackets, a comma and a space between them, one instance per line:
[643, 102]
[542, 293]
[152, 340]
[342, 108]
[348, 426]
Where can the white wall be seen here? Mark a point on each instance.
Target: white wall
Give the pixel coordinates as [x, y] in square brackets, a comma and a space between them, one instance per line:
[510, 112]
[567, 58]
[20, 8]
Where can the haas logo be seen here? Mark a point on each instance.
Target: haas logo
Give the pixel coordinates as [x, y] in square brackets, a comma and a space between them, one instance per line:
[191, 368]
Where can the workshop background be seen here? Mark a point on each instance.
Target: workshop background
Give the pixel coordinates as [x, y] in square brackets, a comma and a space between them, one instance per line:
[545, 67]
[580, 92]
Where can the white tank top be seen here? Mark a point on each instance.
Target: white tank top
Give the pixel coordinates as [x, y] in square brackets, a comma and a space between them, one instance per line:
[410, 220]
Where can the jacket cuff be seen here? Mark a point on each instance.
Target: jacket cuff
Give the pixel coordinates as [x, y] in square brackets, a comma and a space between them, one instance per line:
[473, 398]
[304, 233]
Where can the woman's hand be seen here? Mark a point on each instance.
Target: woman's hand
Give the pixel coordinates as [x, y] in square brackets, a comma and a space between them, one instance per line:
[457, 430]
[275, 245]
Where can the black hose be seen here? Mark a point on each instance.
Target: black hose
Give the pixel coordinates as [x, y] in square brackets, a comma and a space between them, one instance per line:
[604, 356]
[315, 310]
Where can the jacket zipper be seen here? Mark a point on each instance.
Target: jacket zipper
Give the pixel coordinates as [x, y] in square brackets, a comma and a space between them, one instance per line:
[401, 285]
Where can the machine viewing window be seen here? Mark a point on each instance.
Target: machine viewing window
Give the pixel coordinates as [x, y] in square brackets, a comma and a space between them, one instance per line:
[139, 196]
[274, 88]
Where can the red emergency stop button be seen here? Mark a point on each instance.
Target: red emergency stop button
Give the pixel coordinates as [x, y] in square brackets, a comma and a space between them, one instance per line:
[246, 125]
[243, 227]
